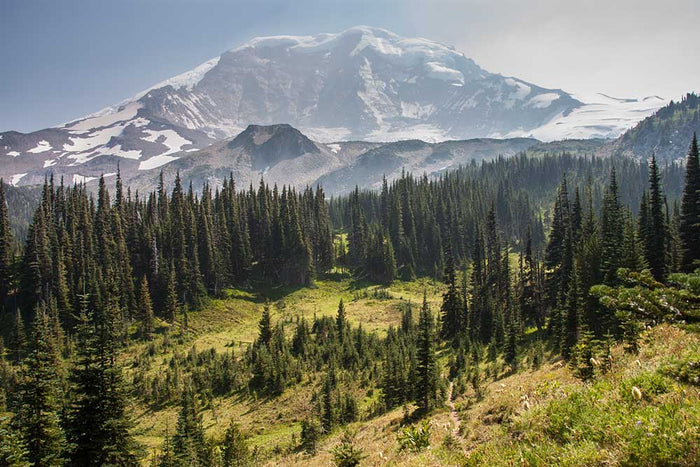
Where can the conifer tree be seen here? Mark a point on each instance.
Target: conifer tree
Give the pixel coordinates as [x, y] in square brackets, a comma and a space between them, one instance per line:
[40, 397]
[98, 424]
[340, 320]
[611, 230]
[571, 318]
[510, 351]
[5, 248]
[558, 251]
[451, 309]
[427, 372]
[528, 285]
[18, 338]
[167, 458]
[13, 452]
[327, 409]
[234, 449]
[265, 327]
[189, 447]
[145, 310]
[632, 249]
[689, 228]
[170, 305]
[657, 229]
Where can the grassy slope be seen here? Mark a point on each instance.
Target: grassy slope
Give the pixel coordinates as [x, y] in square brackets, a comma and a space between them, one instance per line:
[232, 323]
[547, 417]
[538, 416]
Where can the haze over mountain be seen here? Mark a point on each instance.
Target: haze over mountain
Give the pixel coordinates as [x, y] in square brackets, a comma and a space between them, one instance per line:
[361, 84]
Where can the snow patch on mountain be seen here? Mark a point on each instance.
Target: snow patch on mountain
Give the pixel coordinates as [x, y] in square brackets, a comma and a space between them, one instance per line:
[14, 180]
[170, 139]
[156, 161]
[105, 117]
[438, 71]
[42, 146]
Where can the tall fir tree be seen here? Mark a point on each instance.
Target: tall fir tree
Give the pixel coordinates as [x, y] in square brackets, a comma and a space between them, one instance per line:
[689, 228]
[98, 423]
[235, 452]
[451, 310]
[427, 371]
[40, 397]
[611, 230]
[18, 338]
[145, 310]
[189, 447]
[6, 246]
[265, 326]
[657, 229]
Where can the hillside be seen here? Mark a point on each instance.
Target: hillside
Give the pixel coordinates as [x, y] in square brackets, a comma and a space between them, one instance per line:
[543, 414]
[666, 133]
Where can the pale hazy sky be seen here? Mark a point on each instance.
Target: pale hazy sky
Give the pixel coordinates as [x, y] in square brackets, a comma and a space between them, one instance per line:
[60, 60]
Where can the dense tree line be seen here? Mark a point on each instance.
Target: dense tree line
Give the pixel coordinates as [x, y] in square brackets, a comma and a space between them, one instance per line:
[178, 248]
[586, 248]
[418, 219]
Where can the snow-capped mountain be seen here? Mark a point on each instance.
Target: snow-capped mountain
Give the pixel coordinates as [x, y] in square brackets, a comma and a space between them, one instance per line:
[361, 84]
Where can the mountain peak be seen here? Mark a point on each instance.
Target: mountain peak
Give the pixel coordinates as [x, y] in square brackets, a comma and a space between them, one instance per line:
[270, 144]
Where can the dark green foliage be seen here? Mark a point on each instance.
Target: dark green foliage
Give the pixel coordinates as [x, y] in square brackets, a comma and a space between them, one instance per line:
[6, 248]
[234, 449]
[188, 248]
[328, 411]
[98, 424]
[264, 327]
[346, 454]
[657, 228]
[426, 371]
[310, 434]
[350, 411]
[414, 438]
[170, 304]
[611, 231]
[451, 311]
[340, 320]
[18, 339]
[640, 300]
[13, 453]
[690, 210]
[40, 398]
[189, 447]
[145, 310]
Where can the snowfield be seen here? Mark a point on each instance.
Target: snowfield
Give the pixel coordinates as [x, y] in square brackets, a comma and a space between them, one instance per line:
[600, 117]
